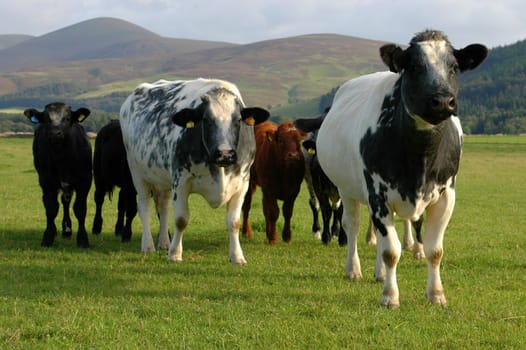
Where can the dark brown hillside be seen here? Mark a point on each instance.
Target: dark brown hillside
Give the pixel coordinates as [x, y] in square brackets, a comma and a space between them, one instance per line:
[93, 39]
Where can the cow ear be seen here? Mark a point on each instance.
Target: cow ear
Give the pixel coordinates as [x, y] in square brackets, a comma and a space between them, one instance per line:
[254, 115]
[393, 57]
[310, 146]
[187, 117]
[33, 115]
[309, 124]
[81, 114]
[471, 56]
[270, 136]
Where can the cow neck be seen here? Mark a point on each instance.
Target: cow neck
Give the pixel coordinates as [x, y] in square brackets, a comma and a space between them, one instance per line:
[408, 158]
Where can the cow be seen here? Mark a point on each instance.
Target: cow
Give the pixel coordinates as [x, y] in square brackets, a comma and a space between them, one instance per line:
[392, 140]
[278, 169]
[110, 169]
[323, 194]
[62, 158]
[184, 137]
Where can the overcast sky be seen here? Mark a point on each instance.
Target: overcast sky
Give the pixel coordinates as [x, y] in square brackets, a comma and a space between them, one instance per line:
[493, 23]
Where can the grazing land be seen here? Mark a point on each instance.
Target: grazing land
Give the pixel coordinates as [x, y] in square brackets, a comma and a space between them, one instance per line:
[288, 296]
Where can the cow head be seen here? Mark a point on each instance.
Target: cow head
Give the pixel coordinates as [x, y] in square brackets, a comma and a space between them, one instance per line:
[218, 121]
[429, 68]
[57, 118]
[287, 141]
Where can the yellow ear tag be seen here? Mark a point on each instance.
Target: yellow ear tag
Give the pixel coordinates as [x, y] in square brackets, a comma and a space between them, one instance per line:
[81, 117]
[190, 124]
[311, 151]
[250, 121]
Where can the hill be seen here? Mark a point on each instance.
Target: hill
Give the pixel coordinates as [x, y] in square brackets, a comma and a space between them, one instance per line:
[275, 73]
[8, 40]
[493, 96]
[95, 39]
[102, 60]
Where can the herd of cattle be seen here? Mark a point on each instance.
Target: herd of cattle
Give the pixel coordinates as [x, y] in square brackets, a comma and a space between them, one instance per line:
[391, 140]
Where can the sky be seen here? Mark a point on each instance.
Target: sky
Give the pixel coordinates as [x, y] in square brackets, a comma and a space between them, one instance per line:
[493, 23]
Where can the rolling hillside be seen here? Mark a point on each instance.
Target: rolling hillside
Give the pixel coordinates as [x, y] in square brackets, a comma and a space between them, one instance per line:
[97, 63]
[8, 40]
[276, 74]
[95, 39]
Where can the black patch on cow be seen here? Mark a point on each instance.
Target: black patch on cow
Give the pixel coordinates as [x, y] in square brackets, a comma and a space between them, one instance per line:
[377, 202]
[410, 160]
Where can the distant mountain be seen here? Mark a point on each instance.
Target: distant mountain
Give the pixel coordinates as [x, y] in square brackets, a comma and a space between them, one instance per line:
[94, 39]
[493, 97]
[9, 40]
[97, 63]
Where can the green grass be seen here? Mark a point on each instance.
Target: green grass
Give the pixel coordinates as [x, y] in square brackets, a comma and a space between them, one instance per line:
[289, 296]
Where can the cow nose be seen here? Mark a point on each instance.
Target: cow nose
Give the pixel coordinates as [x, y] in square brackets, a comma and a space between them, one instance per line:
[225, 157]
[444, 103]
[293, 155]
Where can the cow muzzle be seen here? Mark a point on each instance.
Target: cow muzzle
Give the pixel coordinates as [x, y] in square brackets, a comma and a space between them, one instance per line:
[225, 158]
[443, 104]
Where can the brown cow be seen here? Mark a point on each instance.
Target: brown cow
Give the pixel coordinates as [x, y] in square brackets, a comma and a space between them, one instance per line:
[278, 169]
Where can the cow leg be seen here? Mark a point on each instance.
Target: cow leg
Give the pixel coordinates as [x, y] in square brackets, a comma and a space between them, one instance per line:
[408, 241]
[51, 206]
[66, 218]
[438, 216]
[389, 250]
[370, 237]
[121, 210]
[130, 201]
[342, 236]
[315, 208]
[234, 207]
[181, 217]
[143, 198]
[418, 247]
[247, 203]
[162, 201]
[326, 212]
[80, 209]
[271, 211]
[288, 208]
[97, 220]
[351, 225]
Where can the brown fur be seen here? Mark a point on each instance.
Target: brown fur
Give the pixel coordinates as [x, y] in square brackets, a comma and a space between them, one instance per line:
[278, 169]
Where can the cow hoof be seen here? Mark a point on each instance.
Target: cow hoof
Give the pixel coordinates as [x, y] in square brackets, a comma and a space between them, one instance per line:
[371, 241]
[148, 249]
[418, 251]
[316, 235]
[354, 276]
[437, 299]
[46, 244]
[83, 245]
[238, 260]
[390, 302]
[175, 258]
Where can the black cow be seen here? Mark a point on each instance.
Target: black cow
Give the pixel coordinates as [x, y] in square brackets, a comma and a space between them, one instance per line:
[326, 193]
[62, 158]
[110, 169]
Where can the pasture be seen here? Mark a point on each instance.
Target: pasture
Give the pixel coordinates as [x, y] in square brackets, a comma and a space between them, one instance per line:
[288, 296]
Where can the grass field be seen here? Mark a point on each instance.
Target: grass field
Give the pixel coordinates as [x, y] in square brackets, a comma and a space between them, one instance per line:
[289, 296]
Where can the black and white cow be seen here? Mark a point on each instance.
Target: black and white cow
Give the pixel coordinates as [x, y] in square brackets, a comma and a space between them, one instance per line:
[110, 169]
[392, 140]
[184, 137]
[62, 158]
